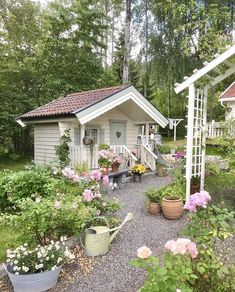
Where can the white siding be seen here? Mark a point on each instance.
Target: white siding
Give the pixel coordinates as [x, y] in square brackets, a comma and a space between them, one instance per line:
[46, 136]
[114, 114]
[230, 114]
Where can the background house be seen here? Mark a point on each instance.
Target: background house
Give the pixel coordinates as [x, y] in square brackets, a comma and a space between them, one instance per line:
[112, 115]
[227, 99]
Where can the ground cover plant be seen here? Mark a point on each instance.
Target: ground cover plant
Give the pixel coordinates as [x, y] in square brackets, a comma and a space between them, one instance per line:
[46, 204]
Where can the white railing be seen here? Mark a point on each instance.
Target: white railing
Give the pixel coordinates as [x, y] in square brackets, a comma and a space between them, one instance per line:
[216, 129]
[79, 154]
[126, 153]
[147, 157]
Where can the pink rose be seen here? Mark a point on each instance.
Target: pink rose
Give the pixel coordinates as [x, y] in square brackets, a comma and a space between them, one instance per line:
[87, 195]
[144, 252]
[105, 180]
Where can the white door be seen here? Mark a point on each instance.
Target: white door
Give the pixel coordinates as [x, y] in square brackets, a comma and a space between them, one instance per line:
[117, 133]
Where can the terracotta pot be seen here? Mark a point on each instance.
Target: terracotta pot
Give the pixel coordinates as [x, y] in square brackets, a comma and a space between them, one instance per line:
[194, 189]
[162, 171]
[104, 170]
[172, 207]
[115, 167]
[154, 208]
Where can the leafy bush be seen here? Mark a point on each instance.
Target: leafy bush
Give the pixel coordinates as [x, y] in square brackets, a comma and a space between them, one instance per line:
[27, 183]
[62, 150]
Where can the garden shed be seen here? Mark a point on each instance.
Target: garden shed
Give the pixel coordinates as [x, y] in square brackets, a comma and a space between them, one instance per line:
[111, 115]
[198, 85]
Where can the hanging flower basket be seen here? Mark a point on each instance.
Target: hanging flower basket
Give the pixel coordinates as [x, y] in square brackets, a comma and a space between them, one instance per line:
[87, 140]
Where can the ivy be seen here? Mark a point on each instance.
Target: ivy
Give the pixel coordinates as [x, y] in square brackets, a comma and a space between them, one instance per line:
[62, 150]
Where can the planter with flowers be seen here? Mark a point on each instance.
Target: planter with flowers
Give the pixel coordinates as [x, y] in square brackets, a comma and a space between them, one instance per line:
[137, 171]
[154, 197]
[104, 160]
[36, 269]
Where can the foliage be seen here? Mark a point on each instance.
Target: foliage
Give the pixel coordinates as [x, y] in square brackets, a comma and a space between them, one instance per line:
[154, 195]
[222, 188]
[104, 147]
[138, 169]
[24, 261]
[173, 191]
[82, 168]
[109, 157]
[195, 180]
[26, 183]
[171, 272]
[62, 150]
[211, 169]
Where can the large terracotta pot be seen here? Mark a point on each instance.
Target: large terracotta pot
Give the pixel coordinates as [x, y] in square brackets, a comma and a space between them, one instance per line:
[194, 189]
[115, 167]
[172, 207]
[162, 171]
[154, 208]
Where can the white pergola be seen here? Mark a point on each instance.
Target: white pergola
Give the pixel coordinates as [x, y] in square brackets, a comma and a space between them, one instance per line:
[198, 84]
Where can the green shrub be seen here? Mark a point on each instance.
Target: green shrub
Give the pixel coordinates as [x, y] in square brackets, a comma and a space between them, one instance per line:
[154, 195]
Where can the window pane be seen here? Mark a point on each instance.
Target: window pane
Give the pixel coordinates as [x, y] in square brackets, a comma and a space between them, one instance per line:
[93, 133]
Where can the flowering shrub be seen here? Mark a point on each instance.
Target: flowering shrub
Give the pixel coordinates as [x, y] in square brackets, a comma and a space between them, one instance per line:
[174, 272]
[138, 169]
[197, 200]
[23, 260]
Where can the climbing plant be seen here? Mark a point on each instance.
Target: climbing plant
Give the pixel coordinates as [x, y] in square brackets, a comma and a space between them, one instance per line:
[62, 150]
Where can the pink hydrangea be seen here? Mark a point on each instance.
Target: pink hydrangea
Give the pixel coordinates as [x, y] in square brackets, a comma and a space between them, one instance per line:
[96, 175]
[182, 246]
[87, 195]
[105, 180]
[71, 174]
[197, 200]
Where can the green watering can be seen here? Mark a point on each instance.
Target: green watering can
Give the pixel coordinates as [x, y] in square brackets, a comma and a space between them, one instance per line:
[96, 239]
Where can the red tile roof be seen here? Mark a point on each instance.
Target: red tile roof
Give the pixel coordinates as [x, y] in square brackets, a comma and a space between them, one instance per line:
[229, 92]
[72, 103]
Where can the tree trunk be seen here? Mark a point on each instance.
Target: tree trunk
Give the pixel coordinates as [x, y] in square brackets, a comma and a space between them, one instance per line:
[127, 48]
[146, 49]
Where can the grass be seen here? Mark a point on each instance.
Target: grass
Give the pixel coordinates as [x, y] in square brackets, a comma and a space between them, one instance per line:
[12, 165]
[179, 144]
[222, 189]
[8, 239]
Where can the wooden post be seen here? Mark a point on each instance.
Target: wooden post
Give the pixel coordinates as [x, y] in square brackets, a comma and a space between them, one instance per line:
[190, 131]
[147, 134]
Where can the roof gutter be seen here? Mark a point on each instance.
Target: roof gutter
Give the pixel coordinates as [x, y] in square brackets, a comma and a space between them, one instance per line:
[21, 123]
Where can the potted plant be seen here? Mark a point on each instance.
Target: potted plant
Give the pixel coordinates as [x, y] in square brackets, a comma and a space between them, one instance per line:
[137, 171]
[161, 169]
[172, 201]
[104, 160]
[36, 269]
[154, 197]
[195, 184]
[115, 161]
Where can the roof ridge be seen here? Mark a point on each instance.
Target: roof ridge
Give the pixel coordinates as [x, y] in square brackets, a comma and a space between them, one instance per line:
[99, 89]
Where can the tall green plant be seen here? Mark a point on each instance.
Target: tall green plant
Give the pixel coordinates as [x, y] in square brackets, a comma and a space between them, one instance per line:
[62, 150]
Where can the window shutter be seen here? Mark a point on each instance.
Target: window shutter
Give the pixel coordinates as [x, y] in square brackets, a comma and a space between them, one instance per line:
[77, 136]
[101, 136]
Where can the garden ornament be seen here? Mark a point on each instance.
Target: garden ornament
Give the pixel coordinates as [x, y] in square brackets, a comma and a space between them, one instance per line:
[96, 239]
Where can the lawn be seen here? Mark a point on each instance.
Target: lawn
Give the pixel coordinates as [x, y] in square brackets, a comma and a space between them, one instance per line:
[8, 239]
[12, 165]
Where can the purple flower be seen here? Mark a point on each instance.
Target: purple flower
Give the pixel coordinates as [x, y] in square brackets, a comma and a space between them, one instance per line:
[105, 180]
[87, 195]
[96, 175]
[197, 200]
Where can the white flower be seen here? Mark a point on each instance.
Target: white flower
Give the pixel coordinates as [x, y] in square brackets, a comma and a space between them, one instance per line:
[25, 252]
[26, 269]
[59, 260]
[18, 256]
[71, 256]
[15, 261]
[47, 258]
[38, 200]
[38, 266]
[16, 273]
[39, 255]
[15, 268]
[53, 268]
[52, 256]
[25, 244]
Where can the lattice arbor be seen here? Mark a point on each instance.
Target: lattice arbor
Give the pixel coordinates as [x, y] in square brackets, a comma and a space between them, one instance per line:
[221, 67]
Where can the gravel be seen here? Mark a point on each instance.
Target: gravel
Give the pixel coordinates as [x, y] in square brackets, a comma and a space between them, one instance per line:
[113, 272]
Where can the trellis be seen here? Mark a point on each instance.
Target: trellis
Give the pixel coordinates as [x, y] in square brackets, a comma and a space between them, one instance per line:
[198, 85]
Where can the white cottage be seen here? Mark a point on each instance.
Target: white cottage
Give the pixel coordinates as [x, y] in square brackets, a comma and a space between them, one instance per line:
[111, 115]
[227, 99]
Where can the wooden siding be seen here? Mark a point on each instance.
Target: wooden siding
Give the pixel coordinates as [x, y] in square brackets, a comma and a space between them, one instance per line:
[231, 113]
[46, 136]
[115, 114]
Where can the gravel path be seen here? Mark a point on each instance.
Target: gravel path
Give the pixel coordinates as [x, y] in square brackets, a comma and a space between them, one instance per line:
[114, 273]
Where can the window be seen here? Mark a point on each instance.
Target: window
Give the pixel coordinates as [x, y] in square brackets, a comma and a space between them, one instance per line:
[93, 133]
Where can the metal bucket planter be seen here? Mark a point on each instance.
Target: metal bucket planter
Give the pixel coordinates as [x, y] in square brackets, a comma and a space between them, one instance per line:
[37, 282]
[137, 177]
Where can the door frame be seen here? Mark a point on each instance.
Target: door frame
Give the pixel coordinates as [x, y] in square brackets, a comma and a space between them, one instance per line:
[117, 121]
